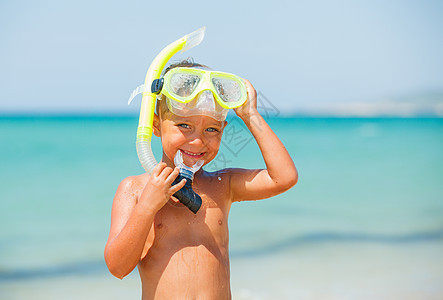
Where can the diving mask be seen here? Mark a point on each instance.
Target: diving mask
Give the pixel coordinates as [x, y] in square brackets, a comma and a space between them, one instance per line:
[193, 91]
[203, 104]
[184, 84]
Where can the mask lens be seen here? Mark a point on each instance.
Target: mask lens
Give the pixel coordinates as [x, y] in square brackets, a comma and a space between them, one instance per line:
[183, 85]
[229, 90]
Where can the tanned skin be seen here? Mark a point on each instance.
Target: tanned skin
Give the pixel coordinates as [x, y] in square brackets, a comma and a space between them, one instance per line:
[179, 254]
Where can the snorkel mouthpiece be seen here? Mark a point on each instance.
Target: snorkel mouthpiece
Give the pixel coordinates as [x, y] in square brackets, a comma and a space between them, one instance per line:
[186, 194]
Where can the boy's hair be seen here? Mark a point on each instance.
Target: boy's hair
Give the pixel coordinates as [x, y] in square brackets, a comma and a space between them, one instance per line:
[162, 107]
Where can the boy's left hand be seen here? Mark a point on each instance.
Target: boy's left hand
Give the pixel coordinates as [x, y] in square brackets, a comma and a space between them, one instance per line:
[249, 108]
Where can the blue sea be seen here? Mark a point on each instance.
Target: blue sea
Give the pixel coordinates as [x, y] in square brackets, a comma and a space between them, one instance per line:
[365, 220]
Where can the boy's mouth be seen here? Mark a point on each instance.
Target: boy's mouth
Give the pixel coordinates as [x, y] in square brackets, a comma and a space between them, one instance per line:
[194, 155]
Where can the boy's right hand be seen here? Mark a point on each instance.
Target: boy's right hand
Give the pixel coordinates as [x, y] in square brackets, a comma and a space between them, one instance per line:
[158, 189]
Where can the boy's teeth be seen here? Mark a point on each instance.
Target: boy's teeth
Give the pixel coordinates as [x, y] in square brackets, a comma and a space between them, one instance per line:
[189, 153]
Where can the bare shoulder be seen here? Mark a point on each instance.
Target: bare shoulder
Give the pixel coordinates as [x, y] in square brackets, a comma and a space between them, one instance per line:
[229, 174]
[226, 181]
[132, 185]
[220, 176]
[125, 200]
[250, 184]
[131, 181]
[239, 173]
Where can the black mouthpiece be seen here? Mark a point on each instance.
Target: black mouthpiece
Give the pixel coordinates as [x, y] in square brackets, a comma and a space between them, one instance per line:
[187, 196]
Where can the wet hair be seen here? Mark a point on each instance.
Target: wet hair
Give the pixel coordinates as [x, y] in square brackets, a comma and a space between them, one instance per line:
[186, 63]
[161, 106]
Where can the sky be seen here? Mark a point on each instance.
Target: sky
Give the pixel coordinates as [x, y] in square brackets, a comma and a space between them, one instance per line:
[88, 56]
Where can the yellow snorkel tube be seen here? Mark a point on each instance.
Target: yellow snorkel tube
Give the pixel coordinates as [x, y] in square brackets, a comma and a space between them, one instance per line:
[144, 131]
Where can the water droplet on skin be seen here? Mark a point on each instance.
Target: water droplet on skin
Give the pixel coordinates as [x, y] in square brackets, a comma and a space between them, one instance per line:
[219, 178]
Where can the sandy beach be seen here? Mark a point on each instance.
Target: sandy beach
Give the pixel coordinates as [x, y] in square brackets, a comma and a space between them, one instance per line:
[410, 271]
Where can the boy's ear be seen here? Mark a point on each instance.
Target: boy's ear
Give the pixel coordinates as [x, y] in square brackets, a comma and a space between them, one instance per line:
[225, 124]
[156, 125]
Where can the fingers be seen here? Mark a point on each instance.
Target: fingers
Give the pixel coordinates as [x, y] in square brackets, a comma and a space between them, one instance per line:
[171, 176]
[247, 83]
[165, 173]
[162, 171]
[175, 199]
[175, 188]
[158, 168]
[250, 88]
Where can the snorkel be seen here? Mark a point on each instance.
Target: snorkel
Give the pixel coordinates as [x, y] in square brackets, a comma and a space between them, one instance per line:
[144, 130]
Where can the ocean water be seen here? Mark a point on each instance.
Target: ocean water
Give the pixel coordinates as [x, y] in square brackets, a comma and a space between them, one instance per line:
[365, 220]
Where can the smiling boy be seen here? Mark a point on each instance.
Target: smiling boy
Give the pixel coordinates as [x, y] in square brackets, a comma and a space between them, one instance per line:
[182, 255]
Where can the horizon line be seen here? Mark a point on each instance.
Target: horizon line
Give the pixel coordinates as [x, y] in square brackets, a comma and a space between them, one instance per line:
[112, 114]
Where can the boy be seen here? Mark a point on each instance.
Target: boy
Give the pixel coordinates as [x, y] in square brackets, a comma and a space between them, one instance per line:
[181, 255]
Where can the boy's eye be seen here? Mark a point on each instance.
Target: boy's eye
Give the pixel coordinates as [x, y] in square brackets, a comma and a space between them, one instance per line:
[212, 129]
[184, 125]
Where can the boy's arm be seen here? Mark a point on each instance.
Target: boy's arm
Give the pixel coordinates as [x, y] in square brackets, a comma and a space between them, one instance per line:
[280, 173]
[130, 225]
[131, 220]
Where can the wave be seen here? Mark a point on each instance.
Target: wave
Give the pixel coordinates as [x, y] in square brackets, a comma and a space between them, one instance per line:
[99, 267]
[326, 237]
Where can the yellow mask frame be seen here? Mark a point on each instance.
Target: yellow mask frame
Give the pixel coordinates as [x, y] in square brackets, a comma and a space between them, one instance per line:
[228, 89]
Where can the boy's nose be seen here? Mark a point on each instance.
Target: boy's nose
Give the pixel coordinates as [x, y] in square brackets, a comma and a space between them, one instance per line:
[197, 139]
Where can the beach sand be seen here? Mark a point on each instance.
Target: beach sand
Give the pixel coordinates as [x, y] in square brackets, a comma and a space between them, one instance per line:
[315, 271]
[345, 271]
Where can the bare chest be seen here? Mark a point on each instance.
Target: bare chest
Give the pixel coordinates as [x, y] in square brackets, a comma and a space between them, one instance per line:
[174, 221]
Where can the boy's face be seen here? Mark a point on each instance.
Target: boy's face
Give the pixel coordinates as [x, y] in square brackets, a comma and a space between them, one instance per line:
[197, 137]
